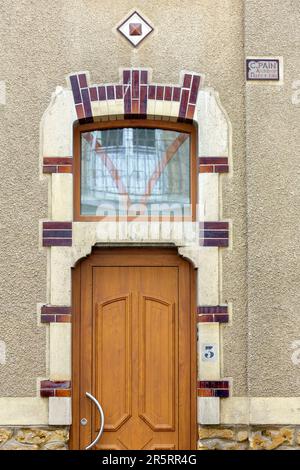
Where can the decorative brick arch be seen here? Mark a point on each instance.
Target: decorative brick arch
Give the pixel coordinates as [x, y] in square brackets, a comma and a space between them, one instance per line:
[135, 97]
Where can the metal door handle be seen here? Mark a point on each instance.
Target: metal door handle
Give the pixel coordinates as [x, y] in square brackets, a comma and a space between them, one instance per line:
[99, 407]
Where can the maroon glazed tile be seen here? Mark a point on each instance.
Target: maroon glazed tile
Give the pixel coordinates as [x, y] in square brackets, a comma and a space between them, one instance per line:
[127, 100]
[57, 233]
[126, 76]
[221, 309]
[135, 84]
[57, 160]
[215, 225]
[203, 384]
[46, 384]
[47, 393]
[221, 168]
[213, 160]
[57, 242]
[49, 169]
[75, 89]
[212, 384]
[119, 92]
[221, 393]
[63, 318]
[194, 89]
[206, 168]
[190, 112]
[212, 309]
[213, 234]
[82, 80]
[65, 169]
[222, 243]
[101, 93]
[47, 318]
[151, 92]
[144, 77]
[183, 103]
[93, 93]
[135, 29]
[49, 384]
[205, 318]
[187, 80]
[86, 102]
[176, 93]
[63, 393]
[110, 92]
[80, 111]
[57, 225]
[218, 383]
[135, 106]
[168, 93]
[221, 318]
[205, 392]
[56, 309]
[204, 309]
[159, 92]
[143, 99]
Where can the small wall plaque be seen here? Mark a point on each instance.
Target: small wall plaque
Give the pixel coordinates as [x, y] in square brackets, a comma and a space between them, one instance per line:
[263, 69]
[209, 352]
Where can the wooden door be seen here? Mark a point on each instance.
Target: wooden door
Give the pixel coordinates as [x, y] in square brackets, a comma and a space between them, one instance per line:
[134, 350]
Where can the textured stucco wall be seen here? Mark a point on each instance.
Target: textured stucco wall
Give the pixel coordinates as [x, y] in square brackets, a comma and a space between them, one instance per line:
[273, 146]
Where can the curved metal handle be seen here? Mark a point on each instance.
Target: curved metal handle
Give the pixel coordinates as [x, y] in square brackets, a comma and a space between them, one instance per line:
[99, 407]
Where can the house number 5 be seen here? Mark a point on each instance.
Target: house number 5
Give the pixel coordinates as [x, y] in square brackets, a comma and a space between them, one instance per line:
[209, 352]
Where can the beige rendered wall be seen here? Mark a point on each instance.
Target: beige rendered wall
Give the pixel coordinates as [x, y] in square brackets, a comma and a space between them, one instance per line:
[42, 42]
[273, 146]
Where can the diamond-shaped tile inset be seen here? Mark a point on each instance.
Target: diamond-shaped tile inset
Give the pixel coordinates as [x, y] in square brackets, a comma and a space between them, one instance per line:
[135, 29]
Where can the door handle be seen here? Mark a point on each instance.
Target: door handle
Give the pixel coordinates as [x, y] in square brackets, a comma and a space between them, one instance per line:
[99, 407]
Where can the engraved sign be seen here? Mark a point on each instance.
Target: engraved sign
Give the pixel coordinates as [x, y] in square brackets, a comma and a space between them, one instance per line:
[209, 352]
[263, 69]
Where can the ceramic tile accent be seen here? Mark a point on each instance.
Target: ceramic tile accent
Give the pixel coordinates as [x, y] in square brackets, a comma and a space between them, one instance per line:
[57, 165]
[55, 314]
[213, 388]
[213, 165]
[57, 233]
[214, 234]
[208, 314]
[49, 388]
[134, 97]
[135, 29]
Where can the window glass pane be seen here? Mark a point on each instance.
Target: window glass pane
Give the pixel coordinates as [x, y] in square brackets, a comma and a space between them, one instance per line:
[132, 170]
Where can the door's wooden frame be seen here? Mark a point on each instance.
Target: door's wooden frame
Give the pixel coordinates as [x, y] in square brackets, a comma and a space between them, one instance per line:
[156, 257]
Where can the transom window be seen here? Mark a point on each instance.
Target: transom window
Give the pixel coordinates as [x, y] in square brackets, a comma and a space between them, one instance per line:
[134, 172]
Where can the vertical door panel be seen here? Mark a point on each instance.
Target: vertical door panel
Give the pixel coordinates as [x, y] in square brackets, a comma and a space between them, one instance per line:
[157, 363]
[113, 361]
